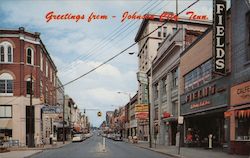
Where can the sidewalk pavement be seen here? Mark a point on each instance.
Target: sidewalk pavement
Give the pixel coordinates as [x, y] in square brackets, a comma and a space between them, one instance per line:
[188, 152]
[26, 152]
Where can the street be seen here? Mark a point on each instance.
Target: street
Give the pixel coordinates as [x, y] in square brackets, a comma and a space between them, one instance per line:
[92, 148]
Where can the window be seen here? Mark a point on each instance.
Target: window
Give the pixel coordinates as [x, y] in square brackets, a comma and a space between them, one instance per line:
[156, 113]
[47, 69]
[9, 54]
[159, 44]
[29, 86]
[199, 76]
[175, 77]
[2, 54]
[30, 56]
[6, 52]
[6, 84]
[174, 30]
[248, 34]
[164, 86]
[5, 111]
[156, 91]
[50, 75]
[41, 88]
[165, 32]
[159, 33]
[242, 131]
[41, 61]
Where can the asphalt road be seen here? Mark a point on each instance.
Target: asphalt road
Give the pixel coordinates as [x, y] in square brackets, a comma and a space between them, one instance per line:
[92, 148]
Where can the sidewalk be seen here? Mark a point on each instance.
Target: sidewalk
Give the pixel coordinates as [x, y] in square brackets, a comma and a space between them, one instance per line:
[28, 152]
[188, 152]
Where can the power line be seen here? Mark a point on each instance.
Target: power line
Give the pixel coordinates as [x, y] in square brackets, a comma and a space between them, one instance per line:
[111, 38]
[67, 83]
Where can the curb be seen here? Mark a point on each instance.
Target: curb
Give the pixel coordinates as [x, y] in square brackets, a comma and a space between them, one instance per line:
[33, 154]
[168, 154]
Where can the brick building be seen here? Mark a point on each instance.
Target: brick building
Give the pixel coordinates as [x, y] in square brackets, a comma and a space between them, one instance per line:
[24, 60]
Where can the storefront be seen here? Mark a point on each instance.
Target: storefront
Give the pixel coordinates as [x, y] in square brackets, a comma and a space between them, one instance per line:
[239, 118]
[203, 110]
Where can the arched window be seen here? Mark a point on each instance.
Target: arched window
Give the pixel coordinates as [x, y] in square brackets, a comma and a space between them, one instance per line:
[30, 56]
[6, 84]
[6, 51]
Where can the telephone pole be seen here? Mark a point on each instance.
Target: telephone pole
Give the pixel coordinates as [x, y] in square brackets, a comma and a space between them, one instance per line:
[31, 111]
[63, 119]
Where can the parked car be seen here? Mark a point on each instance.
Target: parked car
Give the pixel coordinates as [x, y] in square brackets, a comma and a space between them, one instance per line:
[117, 137]
[77, 138]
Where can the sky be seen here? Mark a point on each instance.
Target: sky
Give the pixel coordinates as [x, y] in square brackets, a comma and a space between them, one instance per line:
[77, 47]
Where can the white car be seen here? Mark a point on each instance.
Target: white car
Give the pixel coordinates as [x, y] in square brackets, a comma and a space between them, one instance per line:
[77, 138]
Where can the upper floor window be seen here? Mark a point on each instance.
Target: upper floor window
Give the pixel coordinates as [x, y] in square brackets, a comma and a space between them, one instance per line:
[156, 92]
[164, 31]
[6, 84]
[175, 77]
[164, 86]
[30, 56]
[200, 75]
[6, 52]
[46, 69]
[41, 61]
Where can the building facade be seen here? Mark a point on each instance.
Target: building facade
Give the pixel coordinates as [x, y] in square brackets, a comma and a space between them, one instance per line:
[25, 68]
[204, 94]
[238, 115]
[165, 81]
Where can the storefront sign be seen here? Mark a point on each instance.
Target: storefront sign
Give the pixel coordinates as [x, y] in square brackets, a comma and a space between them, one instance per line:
[141, 108]
[219, 40]
[200, 104]
[240, 94]
[199, 94]
[141, 115]
[180, 120]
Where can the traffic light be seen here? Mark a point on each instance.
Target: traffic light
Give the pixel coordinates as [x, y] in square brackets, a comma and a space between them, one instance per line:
[99, 114]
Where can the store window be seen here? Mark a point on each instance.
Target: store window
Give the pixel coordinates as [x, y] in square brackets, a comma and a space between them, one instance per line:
[199, 76]
[5, 111]
[6, 84]
[242, 125]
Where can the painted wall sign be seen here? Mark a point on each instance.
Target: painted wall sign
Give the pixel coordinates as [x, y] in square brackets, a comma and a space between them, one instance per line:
[240, 94]
[219, 37]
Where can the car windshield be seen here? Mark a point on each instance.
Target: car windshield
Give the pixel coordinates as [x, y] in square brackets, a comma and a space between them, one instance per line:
[77, 135]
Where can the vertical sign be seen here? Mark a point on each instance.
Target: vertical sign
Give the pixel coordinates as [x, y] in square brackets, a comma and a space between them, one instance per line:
[219, 37]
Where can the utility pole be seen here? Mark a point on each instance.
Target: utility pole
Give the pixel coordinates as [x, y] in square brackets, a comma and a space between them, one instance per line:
[31, 137]
[63, 119]
[177, 14]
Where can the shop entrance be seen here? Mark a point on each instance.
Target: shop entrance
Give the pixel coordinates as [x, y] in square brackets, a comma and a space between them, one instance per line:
[198, 129]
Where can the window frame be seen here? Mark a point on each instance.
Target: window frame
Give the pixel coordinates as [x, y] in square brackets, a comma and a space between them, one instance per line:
[6, 50]
[6, 77]
[11, 111]
[31, 56]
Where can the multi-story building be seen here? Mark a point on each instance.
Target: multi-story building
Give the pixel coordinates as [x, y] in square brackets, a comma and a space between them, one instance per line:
[238, 116]
[25, 68]
[165, 79]
[148, 47]
[204, 94]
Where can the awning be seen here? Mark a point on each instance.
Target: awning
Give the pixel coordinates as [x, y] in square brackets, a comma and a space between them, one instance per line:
[239, 111]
